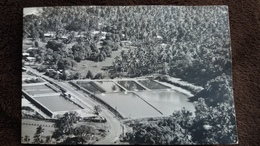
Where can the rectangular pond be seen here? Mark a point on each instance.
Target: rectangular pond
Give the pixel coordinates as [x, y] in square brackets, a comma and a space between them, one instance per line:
[35, 87]
[109, 86]
[35, 92]
[167, 101]
[38, 89]
[152, 84]
[90, 86]
[56, 103]
[131, 85]
[129, 105]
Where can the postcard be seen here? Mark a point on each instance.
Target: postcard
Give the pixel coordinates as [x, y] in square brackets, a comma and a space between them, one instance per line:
[127, 75]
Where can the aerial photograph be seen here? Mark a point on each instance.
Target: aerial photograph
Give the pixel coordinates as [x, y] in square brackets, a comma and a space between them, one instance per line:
[159, 75]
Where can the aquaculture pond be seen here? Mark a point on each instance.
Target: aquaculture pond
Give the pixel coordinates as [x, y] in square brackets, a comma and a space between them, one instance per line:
[167, 101]
[37, 92]
[56, 103]
[109, 86]
[131, 85]
[38, 89]
[35, 87]
[90, 86]
[151, 84]
[129, 105]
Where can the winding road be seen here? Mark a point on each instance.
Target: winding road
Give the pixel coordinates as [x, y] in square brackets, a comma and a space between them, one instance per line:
[89, 103]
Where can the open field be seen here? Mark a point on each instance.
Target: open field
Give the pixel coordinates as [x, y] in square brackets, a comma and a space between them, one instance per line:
[57, 103]
[129, 105]
[96, 67]
[29, 128]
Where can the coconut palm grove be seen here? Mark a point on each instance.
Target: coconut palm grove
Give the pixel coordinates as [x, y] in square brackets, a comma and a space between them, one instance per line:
[151, 74]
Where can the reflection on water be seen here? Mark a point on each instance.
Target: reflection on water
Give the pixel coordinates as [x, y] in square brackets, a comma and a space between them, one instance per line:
[167, 101]
[128, 103]
[90, 87]
[131, 85]
[109, 86]
[152, 84]
[146, 103]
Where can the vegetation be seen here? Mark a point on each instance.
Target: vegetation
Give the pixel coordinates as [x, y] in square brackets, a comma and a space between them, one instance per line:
[172, 130]
[37, 136]
[69, 132]
[97, 109]
[48, 140]
[98, 76]
[64, 125]
[178, 83]
[198, 46]
[26, 139]
[193, 43]
[33, 80]
[29, 113]
[89, 75]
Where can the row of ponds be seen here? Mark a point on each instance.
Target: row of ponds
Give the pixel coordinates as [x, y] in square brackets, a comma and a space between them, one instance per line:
[139, 98]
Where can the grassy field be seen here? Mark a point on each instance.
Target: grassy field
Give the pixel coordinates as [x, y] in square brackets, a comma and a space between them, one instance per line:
[96, 67]
[31, 129]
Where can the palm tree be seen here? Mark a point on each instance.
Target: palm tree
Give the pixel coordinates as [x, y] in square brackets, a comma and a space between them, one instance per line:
[37, 135]
[26, 139]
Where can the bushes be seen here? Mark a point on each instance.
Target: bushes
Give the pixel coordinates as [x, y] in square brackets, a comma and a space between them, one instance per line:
[89, 75]
[216, 90]
[54, 45]
[170, 130]
[99, 76]
[36, 44]
[41, 68]
[33, 80]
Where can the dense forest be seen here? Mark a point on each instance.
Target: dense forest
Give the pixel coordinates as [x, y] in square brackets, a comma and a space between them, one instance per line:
[188, 42]
[191, 43]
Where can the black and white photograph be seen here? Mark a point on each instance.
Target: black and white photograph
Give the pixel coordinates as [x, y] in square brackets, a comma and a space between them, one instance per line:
[159, 75]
